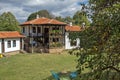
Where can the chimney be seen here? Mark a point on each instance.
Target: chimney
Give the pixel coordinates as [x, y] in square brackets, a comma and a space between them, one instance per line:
[37, 16]
[70, 23]
[83, 25]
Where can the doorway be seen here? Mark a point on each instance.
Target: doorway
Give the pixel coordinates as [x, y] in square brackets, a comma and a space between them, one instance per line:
[46, 36]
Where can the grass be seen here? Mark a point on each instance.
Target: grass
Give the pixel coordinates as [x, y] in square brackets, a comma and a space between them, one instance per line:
[35, 66]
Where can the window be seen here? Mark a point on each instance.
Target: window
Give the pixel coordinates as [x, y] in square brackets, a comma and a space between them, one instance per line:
[14, 43]
[39, 29]
[9, 44]
[34, 29]
[55, 28]
[23, 29]
[55, 39]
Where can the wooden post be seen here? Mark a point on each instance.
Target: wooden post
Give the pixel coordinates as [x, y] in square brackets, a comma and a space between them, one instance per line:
[43, 33]
[63, 34]
[28, 30]
[21, 44]
[3, 46]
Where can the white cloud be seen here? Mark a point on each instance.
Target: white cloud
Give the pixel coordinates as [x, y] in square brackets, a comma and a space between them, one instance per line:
[47, 2]
[57, 7]
[34, 2]
[68, 11]
[17, 11]
[22, 8]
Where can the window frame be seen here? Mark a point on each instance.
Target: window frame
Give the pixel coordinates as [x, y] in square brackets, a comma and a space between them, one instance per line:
[23, 29]
[33, 29]
[38, 29]
[14, 43]
[55, 40]
[9, 44]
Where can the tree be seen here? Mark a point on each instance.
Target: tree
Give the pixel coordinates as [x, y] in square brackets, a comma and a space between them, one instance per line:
[100, 43]
[8, 22]
[59, 18]
[80, 17]
[41, 13]
[68, 19]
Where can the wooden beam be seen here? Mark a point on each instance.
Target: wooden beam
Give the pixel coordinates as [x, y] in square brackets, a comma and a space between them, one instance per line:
[21, 47]
[3, 46]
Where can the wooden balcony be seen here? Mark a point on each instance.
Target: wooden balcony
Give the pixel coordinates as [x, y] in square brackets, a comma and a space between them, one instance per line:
[35, 34]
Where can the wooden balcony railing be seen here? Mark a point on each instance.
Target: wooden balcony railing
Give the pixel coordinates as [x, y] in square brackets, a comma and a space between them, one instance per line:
[35, 34]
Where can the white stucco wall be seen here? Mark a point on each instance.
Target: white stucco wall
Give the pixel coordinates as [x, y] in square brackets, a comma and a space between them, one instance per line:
[12, 48]
[0, 45]
[67, 42]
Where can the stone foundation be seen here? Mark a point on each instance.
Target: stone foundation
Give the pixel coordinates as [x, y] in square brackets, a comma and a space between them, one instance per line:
[56, 50]
[45, 50]
[11, 53]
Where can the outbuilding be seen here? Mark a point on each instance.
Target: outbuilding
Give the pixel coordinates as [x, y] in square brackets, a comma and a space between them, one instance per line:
[71, 44]
[10, 41]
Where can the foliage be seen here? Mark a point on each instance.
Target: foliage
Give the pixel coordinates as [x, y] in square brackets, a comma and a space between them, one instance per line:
[56, 32]
[73, 42]
[80, 17]
[8, 22]
[100, 43]
[68, 19]
[55, 44]
[59, 18]
[41, 13]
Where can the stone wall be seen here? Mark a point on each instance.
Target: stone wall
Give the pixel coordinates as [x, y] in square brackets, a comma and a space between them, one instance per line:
[7, 54]
[56, 50]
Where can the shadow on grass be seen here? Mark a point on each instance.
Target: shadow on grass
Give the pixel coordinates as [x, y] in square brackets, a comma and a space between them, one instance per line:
[102, 76]
[105, 76]
[63, 76]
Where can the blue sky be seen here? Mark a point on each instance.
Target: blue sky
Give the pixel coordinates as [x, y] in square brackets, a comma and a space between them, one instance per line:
[23, 8]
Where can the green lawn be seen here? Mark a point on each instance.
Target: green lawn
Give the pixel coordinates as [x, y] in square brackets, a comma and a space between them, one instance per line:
[35, 66]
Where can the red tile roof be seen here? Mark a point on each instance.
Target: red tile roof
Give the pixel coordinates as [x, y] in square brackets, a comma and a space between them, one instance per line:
[73, 28]
[43, 21]
[10, 34]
